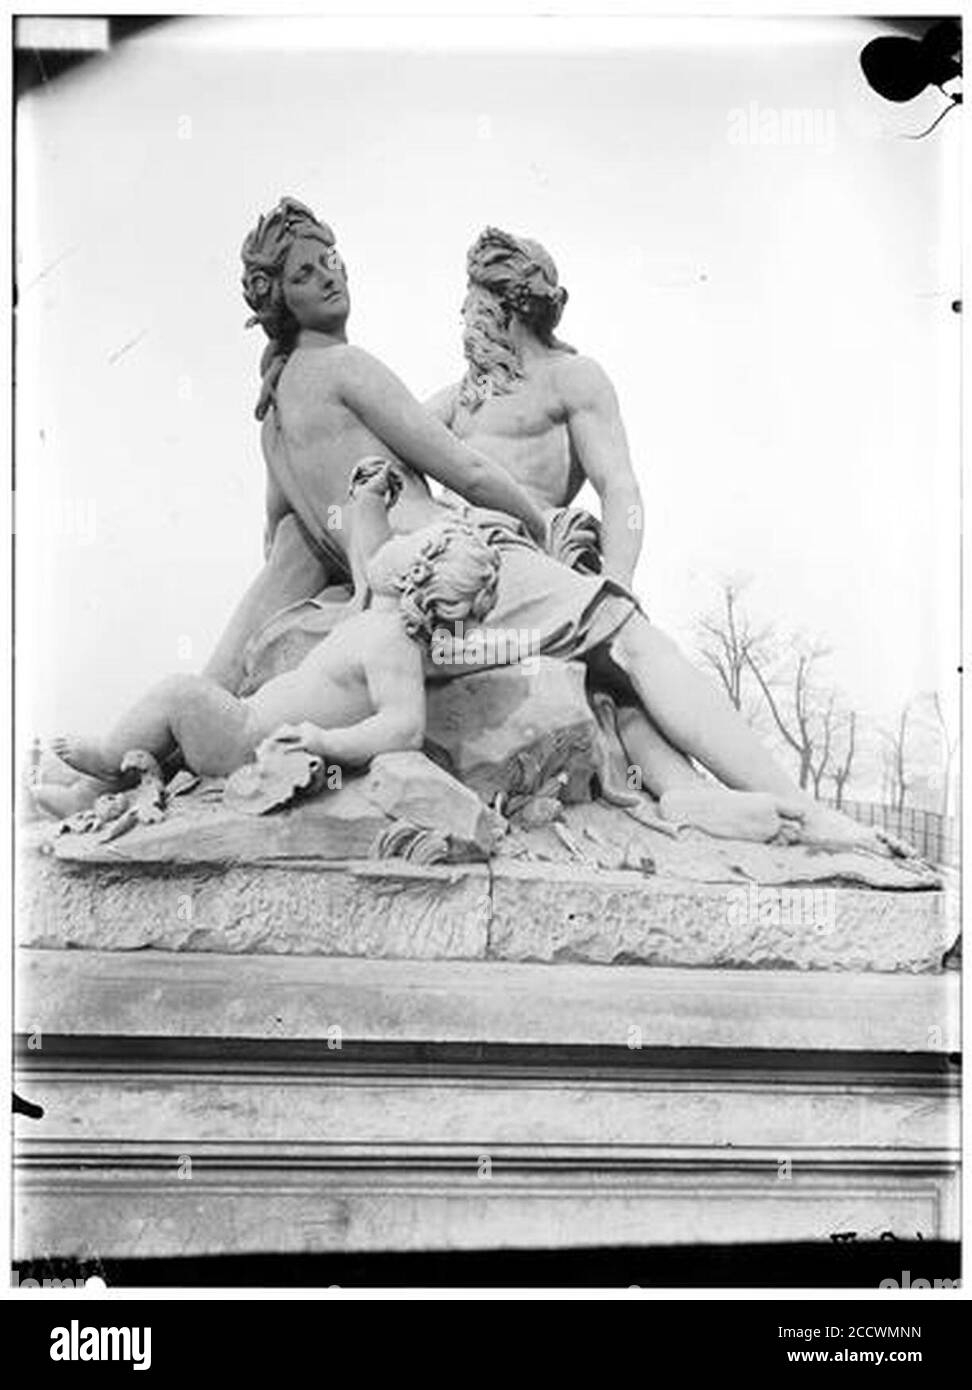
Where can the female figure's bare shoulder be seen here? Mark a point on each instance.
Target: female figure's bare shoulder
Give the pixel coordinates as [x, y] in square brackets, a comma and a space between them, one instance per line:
[307, 363]
[337, 367]
[314, 374]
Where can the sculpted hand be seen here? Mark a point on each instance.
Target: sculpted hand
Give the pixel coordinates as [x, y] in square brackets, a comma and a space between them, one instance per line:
[376, 477]
[304, 735]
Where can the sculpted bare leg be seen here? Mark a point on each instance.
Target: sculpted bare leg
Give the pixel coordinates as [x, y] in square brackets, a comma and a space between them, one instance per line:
[292, 572]
[192, 713]
[686, 797]
[685, 712]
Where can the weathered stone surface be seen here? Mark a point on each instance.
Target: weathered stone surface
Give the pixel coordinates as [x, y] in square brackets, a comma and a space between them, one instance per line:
[594, 835]
[410, 787]
[594, 887]
[566, 914]
[334, 825]
[417, 1203]
[522, 730]
[508, 910]
[142, 994]
[367, 909]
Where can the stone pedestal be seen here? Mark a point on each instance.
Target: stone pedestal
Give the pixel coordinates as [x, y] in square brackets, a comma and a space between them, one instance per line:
[196, 1104]
[248, 1035]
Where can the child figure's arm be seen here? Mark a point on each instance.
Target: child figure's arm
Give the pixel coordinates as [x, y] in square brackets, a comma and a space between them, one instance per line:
[375, 485]
[395, 678]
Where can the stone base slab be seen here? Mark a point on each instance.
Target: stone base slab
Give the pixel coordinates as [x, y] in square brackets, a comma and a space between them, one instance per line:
[89, 995]
[364, 909]
[503, 910]
[622, 919]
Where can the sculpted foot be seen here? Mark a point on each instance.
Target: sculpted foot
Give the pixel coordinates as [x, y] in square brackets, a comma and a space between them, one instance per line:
[85, 756]
[61, 800]
[730, 815]
[830, 829]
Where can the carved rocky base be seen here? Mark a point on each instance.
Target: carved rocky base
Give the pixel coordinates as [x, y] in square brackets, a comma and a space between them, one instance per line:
[504, 910]
[330, 1049]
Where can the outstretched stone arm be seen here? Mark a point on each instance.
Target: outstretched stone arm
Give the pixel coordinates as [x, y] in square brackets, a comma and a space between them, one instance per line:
[375, 485]
[443, 404]
[600, 444]
[393, 414]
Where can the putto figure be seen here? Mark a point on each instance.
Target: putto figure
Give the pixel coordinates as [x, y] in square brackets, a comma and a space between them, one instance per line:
[357, 694]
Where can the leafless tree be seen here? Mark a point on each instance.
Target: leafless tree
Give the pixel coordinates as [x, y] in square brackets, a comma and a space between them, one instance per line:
[820, 757]
[802, 712]
[949, 747]
[842, 770]
[728, 641]
[806, 714]
[896, 763]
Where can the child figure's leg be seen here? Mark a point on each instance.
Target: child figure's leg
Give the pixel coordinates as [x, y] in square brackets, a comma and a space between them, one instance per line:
[211, 727]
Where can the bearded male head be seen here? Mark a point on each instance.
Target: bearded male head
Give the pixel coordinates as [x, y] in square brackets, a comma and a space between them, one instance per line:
[511, 281]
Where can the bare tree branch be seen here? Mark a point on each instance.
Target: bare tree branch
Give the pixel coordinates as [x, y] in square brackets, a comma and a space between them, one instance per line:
[774, 708]
[841, 775]
[728, 639]
[818, 768]
[896, 760]
[949, 749]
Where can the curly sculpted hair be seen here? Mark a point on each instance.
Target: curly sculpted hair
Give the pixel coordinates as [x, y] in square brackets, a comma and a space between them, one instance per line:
[509, 277]
[453, 578]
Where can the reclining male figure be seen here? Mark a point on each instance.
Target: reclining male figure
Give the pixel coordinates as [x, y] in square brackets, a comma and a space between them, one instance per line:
[551, 417]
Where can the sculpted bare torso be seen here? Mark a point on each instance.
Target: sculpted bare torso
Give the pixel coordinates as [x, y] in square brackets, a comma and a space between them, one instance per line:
[526, 431]
[326, 436]
[330, 686]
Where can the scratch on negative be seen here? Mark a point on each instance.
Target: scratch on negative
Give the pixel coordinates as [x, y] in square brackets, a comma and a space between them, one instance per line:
[125, 347]
[52, 265]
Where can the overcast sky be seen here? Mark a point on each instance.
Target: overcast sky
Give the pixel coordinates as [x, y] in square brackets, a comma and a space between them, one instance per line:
[776, 318]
